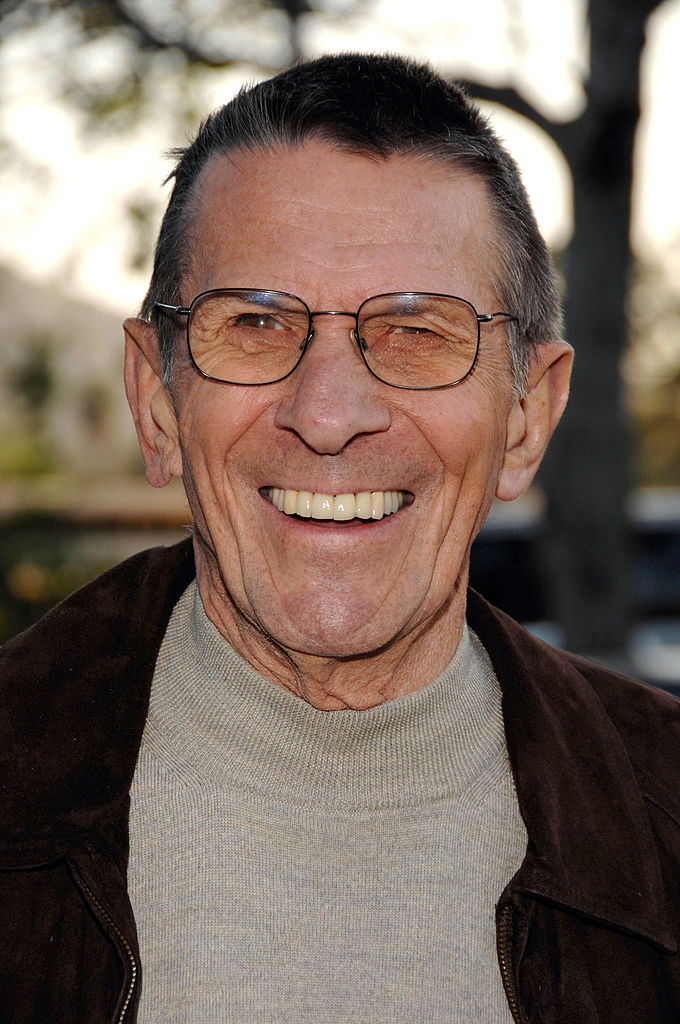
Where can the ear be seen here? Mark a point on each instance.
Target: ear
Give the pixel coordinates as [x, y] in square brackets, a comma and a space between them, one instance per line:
[533, 418]
[150, 403]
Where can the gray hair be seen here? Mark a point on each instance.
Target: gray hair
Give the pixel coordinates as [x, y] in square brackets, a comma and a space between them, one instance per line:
[380, 106]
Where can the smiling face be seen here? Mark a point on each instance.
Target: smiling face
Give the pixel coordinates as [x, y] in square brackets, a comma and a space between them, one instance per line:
[262, 464]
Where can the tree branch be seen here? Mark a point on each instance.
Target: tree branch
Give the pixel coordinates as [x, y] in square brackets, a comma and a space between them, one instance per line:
[562, 133]
[150, 39]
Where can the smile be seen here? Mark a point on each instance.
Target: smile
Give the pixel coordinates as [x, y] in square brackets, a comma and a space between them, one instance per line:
[339, 507]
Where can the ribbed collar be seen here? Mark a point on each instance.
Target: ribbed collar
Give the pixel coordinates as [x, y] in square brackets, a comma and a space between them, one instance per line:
[213, 716]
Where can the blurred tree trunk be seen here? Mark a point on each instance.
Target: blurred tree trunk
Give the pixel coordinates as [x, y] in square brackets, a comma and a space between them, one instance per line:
[586, 471]
[294, 10]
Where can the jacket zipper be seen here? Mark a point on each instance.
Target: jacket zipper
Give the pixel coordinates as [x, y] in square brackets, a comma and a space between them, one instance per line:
[505, 962]
[125, 944]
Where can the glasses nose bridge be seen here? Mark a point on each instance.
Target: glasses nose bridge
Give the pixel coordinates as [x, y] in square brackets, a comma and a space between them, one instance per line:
[353, 331]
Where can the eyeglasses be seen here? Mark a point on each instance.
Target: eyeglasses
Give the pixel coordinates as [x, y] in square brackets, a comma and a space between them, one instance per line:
[415, 340]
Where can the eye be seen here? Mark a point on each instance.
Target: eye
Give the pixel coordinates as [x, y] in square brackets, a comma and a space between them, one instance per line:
[259, 321]
[409, 329]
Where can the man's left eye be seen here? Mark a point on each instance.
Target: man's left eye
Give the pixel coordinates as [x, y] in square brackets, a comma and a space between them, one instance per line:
[410, 329]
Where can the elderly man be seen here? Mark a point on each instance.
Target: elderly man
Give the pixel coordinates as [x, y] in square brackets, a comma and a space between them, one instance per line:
[338, 787]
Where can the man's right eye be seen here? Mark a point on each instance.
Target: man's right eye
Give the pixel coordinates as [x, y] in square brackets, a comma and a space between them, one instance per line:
[258, 321]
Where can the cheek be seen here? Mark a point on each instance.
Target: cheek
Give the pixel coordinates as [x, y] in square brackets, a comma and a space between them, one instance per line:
[466, 433]
[469, 446]
[213, 420]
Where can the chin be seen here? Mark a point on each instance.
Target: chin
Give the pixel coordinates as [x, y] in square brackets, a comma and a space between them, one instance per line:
[346, 635]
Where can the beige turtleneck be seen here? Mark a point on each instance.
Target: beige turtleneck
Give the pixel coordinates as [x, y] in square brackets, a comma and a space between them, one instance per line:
[291, 864]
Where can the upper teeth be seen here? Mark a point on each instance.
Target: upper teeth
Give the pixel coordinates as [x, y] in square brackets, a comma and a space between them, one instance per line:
[313, 505]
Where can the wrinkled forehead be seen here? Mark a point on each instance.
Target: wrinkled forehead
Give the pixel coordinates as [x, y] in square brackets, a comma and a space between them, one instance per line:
[341, 210]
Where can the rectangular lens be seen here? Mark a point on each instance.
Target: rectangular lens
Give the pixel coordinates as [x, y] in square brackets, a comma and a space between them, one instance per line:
[245, 336]
[417, 340]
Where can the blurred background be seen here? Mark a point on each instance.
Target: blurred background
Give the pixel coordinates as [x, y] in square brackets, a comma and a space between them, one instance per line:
[93, 93]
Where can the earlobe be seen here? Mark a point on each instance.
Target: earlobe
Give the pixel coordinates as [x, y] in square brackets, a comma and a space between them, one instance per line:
[534, 417]
[150, 403]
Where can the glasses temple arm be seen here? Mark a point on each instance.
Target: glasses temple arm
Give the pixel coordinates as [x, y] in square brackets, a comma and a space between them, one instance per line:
[182, 310]
[486, 318]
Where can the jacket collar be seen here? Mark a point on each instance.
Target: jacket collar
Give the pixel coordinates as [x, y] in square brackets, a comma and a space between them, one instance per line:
[75, 692]
[591, 847]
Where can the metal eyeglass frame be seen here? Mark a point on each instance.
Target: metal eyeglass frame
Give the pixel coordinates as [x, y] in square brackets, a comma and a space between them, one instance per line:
[481, 318]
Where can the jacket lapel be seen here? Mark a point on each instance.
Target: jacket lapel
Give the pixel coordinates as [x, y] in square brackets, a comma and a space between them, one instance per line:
[72, 723]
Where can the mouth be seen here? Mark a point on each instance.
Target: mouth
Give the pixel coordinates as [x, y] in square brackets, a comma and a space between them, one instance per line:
[342, 508]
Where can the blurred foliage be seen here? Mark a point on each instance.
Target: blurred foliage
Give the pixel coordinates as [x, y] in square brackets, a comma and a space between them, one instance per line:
[41, 560]
[27, 448]
[105, 50]
[26, 453]
[32, 379]
[94, 399]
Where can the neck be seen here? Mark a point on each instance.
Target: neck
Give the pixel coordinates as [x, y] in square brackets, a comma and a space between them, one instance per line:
[357, 682]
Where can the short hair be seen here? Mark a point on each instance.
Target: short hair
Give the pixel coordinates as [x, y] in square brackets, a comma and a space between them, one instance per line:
[377, 105]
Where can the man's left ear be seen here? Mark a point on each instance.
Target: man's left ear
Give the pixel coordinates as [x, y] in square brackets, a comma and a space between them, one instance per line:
[533, 418]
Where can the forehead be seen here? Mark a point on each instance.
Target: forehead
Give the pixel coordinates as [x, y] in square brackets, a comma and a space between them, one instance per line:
[298, 215]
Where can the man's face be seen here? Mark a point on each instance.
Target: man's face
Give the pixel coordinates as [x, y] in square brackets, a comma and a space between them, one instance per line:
[335, 228]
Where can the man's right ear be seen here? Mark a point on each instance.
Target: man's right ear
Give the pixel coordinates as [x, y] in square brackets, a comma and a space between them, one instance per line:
[150, 403]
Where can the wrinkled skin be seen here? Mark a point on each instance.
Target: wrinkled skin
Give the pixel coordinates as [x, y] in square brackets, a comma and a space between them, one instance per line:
[343, 614]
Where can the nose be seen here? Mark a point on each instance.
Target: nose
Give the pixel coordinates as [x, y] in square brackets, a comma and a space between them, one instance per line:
[331, 397]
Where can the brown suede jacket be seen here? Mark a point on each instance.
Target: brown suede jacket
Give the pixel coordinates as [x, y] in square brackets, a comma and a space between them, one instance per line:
[588, 929]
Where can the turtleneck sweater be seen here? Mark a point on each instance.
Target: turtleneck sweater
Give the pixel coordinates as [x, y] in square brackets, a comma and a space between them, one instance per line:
[292, 864]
